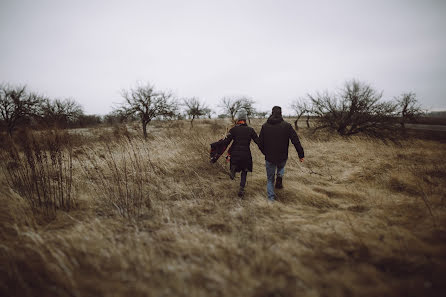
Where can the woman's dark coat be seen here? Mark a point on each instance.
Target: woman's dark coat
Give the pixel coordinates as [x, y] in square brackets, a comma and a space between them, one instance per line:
[239, 151]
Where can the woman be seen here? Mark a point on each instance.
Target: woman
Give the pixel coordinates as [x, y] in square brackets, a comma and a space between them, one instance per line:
[239, 152]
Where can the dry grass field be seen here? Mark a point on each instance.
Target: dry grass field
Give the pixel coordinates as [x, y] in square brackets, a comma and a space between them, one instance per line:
[154, 218]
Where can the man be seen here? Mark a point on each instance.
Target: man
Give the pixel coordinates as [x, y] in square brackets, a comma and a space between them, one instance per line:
[273, 141]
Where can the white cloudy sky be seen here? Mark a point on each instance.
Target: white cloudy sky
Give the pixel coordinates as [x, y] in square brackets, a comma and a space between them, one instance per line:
[272, 51]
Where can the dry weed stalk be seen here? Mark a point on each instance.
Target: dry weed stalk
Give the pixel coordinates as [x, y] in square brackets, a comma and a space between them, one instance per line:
[41, 171]
[120, 173]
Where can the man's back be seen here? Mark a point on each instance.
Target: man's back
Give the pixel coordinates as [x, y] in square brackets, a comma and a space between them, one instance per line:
[274, 139]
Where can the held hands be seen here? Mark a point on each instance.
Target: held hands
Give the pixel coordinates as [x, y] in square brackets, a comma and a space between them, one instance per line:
[301, 160]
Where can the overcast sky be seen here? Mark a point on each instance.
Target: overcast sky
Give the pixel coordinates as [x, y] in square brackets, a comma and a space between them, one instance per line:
[272, 51]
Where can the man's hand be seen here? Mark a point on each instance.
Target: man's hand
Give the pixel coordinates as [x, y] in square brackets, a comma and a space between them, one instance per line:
[301, 160]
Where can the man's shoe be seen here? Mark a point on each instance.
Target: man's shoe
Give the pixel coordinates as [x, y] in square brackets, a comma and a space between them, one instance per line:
[241, 192]
[279, 184]
[232, 173]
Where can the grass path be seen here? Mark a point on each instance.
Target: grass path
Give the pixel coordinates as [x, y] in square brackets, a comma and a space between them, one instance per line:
[352, 220]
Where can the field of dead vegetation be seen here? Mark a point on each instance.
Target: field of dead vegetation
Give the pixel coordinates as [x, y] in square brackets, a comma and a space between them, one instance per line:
[102, 212]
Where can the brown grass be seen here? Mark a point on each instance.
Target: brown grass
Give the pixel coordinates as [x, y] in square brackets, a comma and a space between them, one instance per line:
[155, 218]
[40, 169]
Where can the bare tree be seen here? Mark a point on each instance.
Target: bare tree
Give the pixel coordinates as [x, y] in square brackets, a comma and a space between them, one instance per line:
[301, 107]
[16, 105]
[309, 113]
[148, 103]
[248, 105]
[409, 109]
[61, 112]
[194, 108]
[357, 109]
[208, 112]
[232, 105]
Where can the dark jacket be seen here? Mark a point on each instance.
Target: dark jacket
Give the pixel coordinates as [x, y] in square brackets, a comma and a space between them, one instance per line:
[275, 137]
[239, 151]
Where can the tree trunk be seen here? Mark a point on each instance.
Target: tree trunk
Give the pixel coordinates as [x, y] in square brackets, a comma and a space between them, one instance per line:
[10, 129]
[144, 129]
[308, 121]
[295, 122]
[403, 128]
[192, 122]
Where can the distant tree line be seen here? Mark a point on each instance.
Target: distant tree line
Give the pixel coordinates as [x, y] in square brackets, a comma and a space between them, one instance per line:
[146, 103]
[19, 107]
[357, 108]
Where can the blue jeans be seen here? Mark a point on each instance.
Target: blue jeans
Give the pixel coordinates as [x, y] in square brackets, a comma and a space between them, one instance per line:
[271, 174]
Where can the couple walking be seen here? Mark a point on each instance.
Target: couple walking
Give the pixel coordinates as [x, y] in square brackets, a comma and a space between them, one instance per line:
[273, 142]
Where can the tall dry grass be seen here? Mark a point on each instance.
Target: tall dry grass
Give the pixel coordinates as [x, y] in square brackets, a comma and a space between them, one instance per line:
[120, 173]
[357, 218]
[40, 169]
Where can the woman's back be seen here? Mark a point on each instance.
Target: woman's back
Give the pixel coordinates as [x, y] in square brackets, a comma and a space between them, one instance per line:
[241, 136]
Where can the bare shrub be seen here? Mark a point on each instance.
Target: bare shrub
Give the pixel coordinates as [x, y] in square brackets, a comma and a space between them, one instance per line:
[357, 109]
[120, 175]
[40, 169]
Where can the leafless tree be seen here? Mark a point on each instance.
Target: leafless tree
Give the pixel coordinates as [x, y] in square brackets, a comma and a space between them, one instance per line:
[148, 104]
[232, 105]
[208, 112]
[61, 112]
[194, 108]
[356, 109]
[409, 108]
[248, 105]
[309, 113]
[17, 105]
[302, 107]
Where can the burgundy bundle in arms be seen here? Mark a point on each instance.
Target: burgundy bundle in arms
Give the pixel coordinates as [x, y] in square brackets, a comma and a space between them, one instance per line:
[217, 149]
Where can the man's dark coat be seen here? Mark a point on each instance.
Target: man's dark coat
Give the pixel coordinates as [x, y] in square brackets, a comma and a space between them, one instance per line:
[274, 139]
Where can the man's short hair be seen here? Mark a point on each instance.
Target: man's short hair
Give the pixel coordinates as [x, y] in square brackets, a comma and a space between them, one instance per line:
[277, 110]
